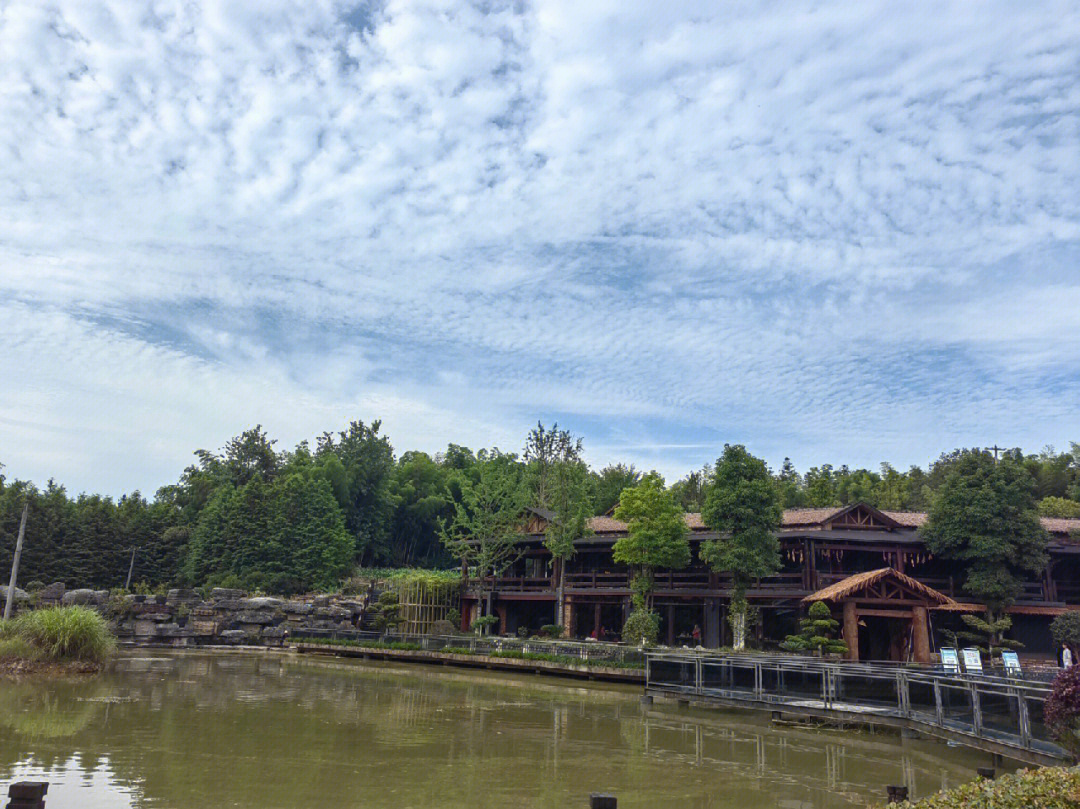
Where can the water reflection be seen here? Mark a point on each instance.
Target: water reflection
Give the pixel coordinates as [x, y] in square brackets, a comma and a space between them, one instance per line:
[208, 730]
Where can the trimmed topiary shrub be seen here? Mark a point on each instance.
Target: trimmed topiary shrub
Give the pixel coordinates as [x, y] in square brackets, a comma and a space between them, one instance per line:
[1062, 712]
[642, 628]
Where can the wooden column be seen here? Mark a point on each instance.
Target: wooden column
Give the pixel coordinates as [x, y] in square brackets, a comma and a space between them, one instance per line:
[568, 618]
[851, 630]
[670, 625]
[596, 620]
[920, 635]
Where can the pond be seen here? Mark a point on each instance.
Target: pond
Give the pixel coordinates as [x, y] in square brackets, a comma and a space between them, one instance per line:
[214, 729]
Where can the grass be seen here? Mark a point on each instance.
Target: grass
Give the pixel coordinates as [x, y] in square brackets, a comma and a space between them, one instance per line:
[57, 634]
[1045, 788]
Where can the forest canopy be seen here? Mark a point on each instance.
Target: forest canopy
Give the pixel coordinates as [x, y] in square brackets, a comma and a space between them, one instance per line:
[257, 516]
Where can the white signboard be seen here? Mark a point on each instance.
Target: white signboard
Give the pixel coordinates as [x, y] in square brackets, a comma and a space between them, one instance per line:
[972, 660]
[1011, 663]
[950, 661]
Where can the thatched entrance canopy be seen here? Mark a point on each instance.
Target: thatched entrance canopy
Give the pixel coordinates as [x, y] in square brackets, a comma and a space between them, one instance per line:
[885, 584]
[885, 593]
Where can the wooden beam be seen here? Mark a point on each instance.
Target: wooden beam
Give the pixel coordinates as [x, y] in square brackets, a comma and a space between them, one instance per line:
[851, 630]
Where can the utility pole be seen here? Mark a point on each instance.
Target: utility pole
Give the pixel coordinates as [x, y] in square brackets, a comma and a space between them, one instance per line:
[15, 563]
[131, 567]
[996, 450]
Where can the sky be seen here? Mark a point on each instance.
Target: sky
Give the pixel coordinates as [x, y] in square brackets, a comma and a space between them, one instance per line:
[840, 232]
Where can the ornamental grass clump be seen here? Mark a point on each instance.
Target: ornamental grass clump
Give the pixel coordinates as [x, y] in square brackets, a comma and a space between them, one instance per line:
[66, 633]
[1062, 711]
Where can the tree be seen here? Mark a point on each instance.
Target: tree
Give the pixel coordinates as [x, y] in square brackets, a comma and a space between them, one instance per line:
[792, 494]
[656, 534]
[743, 506]
[1059, 507]
[559, 482]
[486, 528]
[609, 483]
[816, 633]
[984, 516]
[422, 502]
[1066, 630]
[1062, 710]
[690, 491]
[358, 464]
[656, 537]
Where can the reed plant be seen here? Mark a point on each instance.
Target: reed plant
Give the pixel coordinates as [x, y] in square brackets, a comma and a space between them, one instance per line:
[63, 633]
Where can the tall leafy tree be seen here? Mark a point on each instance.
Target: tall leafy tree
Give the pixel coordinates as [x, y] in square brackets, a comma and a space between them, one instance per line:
[422, 503]
[358, 463]
[656, 535]
[485, 531]
[743, 506]
[558, 479]
[984, 515]
[608, 485]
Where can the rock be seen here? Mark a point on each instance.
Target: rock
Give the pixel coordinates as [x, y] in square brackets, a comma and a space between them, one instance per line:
[232, 636]
[203, 628]
[227, 604]
[20, 595]
[85, 597]
[52, 592]
[321, 601]
[182, 596]
[260, 617]
[442, 628]
[261, 603]
[297, 608]
[219, 593]
[273, 632]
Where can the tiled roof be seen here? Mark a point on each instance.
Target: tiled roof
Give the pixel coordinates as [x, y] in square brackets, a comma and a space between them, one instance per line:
[1015, 609]
[795, 517]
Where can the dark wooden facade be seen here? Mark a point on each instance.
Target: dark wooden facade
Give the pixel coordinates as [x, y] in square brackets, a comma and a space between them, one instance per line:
[820, 547]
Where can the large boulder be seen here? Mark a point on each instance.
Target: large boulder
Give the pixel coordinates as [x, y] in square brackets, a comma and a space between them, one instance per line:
[51, 593]
[297, 608]
[232, 636]
[90, 598]
[220, 593]
[261, 603]
[20, 595]
[181, 596]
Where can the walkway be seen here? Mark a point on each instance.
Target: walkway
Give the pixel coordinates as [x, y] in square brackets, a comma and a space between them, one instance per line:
[998, 715]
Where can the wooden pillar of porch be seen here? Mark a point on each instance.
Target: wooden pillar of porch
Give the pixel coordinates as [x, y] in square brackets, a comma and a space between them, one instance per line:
[596, 621]
[568, 618]
[711, 625]
[920, 634]
[851, 630]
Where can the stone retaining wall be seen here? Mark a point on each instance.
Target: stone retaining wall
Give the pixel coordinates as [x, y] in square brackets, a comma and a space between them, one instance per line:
[184, 618]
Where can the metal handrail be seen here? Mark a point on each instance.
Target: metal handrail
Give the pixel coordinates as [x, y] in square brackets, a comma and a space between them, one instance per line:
[1014, 727]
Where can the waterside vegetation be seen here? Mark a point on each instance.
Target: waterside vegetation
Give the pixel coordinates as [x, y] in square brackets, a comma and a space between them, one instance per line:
[58, 639]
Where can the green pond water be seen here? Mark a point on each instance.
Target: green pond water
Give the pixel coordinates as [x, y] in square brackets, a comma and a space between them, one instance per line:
[203, 729]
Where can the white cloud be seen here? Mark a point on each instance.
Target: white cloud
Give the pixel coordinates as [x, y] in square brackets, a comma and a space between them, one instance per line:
[832, 231]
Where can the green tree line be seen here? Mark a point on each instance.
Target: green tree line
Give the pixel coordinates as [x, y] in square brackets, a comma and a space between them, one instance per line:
[253, 515]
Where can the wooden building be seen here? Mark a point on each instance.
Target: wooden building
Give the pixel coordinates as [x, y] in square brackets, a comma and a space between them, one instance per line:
[870, 566]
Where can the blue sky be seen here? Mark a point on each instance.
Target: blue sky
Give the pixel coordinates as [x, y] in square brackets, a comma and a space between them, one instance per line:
[841, 232]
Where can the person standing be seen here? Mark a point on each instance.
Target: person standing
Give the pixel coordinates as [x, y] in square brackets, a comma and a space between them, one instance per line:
[1066, 656]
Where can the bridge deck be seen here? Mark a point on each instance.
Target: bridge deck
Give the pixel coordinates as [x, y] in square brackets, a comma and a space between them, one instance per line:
[997, 715]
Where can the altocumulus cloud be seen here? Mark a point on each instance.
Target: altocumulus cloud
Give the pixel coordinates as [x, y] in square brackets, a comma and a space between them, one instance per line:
[844, 232]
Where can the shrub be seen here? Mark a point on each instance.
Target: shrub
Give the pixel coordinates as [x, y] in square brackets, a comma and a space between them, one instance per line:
[1062, 711]
[816, 633]
[642, 628]
[1046, 788]
[480, 625]
[75, 633]
[1066, 629]
[454, 617]
[552, 631]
